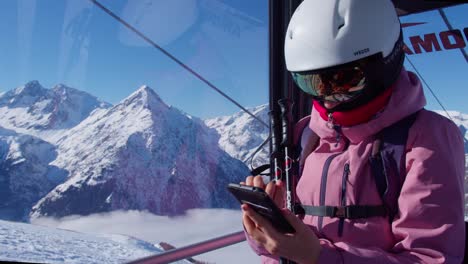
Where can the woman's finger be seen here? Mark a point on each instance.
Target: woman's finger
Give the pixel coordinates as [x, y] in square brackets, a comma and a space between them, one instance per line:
[270, 189]
[249, 180]
[249, 225]
[295, 221]
[263, 224]
[252, 230]
[280, 193]
[258, 182]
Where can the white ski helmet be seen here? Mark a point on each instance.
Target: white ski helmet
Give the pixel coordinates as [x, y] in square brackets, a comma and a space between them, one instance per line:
[326, 34]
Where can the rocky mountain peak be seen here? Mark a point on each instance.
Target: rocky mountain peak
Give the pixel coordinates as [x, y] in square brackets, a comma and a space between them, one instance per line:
[32, 88]
[146, 97]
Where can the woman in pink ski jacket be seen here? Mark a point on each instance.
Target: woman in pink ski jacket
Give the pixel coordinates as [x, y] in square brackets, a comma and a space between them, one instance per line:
[348, 55]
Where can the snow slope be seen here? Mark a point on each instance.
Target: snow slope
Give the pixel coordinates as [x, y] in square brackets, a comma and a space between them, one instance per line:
[141, 154]
[32, 243]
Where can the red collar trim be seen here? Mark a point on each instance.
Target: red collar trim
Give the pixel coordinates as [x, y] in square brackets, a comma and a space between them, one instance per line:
[359, 115]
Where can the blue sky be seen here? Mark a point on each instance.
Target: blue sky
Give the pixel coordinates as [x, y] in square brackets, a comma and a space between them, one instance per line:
[445, 71]
[226, 41]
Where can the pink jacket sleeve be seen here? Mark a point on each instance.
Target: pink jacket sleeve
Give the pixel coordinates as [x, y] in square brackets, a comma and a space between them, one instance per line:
[266, 257]
[259, 250]
[430, 226]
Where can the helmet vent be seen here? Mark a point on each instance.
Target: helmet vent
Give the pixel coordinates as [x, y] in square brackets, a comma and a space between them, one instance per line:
[340, 26]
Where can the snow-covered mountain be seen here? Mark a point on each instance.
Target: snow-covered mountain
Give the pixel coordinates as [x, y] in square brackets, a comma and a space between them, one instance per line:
[39, 244]
[25, 173]
[46, 113]
[241, 134]
[141, 154]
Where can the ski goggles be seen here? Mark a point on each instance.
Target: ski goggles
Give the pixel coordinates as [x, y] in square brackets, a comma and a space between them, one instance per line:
[336, 84]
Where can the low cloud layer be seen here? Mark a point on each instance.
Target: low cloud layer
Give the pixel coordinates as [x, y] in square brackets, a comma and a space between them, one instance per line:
[195, 226]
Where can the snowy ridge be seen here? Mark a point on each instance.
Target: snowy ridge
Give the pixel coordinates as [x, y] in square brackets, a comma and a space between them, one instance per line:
[241, 134]
[31, 243]
[141, 154]
[46, 113]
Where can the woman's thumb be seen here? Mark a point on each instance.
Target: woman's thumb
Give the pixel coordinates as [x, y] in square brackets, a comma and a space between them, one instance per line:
[295, 221]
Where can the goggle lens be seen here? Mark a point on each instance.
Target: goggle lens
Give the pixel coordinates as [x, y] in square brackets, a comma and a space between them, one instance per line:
[334, 85]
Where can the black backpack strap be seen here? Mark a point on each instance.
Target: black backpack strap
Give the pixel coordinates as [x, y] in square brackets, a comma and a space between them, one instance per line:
[306, 141]
[347, 212]
[260, 169]
[388, 160]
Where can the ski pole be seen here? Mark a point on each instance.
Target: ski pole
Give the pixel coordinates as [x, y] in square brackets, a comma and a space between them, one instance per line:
[286, 143]
[275, 157]
[276, 154]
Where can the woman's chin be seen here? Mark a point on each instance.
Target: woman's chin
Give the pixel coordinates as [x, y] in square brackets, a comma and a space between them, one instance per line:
[330, 105]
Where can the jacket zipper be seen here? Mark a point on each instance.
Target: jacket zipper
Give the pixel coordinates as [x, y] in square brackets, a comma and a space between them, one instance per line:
[323, 184]
[331, 124]
[343, 197]
[323, 187]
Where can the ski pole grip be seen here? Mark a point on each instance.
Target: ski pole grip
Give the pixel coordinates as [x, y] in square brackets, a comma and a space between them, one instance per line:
[286, 119]
[276, 156]
[275, 136]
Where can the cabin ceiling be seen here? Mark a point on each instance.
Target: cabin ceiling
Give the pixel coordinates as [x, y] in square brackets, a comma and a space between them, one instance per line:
[407, 7]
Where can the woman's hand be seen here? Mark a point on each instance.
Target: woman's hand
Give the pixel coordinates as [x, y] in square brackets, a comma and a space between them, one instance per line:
[274, 189]
[302, 247]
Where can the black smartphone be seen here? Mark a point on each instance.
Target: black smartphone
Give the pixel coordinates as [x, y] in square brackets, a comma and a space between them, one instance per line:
[261, 203]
